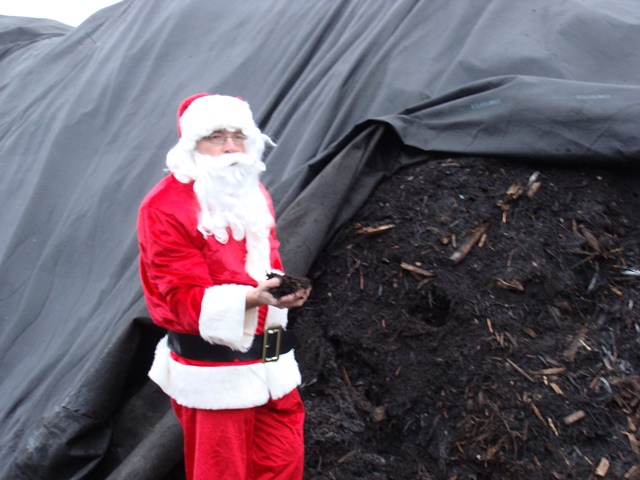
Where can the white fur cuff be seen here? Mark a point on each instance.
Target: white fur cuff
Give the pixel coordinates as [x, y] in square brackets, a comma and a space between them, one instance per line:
[277, 317]
[224, 318]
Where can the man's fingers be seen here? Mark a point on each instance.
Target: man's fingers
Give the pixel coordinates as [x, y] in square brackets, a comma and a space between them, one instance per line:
[272, 282]
[295, 299]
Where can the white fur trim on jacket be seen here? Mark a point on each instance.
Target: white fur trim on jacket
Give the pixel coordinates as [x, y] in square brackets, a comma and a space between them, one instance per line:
[225, 387]
[277, 316]
[224, 319]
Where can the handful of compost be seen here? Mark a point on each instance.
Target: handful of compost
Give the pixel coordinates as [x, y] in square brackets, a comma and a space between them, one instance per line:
[288, 284]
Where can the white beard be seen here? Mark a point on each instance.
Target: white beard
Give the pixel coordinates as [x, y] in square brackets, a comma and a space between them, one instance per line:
[229, 194]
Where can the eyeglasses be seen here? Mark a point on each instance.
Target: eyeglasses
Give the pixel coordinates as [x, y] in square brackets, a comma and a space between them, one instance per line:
[218, 138]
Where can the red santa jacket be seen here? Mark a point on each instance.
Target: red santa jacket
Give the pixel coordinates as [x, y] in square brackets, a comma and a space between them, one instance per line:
[198, 285]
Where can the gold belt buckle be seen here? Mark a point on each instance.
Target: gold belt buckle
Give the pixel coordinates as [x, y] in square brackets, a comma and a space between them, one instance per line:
[265, 344]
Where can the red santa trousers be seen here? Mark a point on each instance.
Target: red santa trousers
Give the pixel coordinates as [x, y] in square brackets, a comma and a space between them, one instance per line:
[259, 443]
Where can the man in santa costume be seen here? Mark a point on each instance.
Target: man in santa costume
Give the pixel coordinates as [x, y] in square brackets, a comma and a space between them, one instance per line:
[207, 242]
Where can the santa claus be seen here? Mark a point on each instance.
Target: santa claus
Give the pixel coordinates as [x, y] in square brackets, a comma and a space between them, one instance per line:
[207, 242]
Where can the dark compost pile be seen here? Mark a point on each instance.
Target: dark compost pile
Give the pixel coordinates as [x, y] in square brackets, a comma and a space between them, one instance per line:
[478, 319]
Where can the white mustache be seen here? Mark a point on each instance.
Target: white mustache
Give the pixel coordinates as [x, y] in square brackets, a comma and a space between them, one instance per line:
[227, 174]
[231, 160]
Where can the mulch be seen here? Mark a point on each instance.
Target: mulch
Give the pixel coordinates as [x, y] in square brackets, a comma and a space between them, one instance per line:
[478, 319]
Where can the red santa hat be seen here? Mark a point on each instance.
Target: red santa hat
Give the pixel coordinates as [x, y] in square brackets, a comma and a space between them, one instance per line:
[202, 114]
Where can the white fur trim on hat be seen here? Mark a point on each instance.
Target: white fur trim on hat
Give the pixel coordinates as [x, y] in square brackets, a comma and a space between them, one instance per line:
[203, 116]
[216, 112]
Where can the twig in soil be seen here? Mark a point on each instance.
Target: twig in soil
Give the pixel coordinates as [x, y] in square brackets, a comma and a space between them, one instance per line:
[582, 342]
[537, 412]
[515, 190]
[482, 241]
[533, 185]
[556, 388]
[574, 417]
[570, 353]
[514, 285]
[633, 442]
[589, 257]
[591, 239]
[360, 230]
[347, 456]
[423, 283]
[465, 248]
[345, 376]
[354, 268]
[603, 468]
[419, 271]
[549, 371]
[633, 473]
[521, 371]
[534, 189]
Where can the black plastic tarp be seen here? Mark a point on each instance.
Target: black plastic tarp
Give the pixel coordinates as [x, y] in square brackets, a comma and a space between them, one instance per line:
[350, 90]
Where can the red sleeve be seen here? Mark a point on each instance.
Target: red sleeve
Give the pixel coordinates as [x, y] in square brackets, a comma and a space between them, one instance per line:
[173, 271]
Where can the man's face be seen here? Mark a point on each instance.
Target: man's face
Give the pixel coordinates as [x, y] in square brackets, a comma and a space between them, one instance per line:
[221, 142]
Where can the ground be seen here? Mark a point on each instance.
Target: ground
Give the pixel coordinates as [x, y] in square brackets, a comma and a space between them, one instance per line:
[478, 319]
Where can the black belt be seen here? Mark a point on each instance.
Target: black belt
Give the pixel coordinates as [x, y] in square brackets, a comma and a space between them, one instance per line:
[267, 347]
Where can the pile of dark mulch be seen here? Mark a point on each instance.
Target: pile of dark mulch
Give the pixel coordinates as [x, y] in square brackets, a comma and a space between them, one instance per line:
[479, 319]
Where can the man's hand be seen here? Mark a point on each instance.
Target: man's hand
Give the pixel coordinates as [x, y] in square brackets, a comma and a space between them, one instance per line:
[260, 295]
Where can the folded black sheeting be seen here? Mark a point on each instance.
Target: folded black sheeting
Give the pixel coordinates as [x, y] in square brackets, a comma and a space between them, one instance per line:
[350, 90]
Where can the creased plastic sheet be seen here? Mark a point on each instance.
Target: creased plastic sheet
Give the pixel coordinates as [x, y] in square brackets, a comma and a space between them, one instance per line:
[350, 90]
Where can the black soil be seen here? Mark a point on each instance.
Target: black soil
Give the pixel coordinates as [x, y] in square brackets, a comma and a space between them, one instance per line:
[478, 319]
[288, 284]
